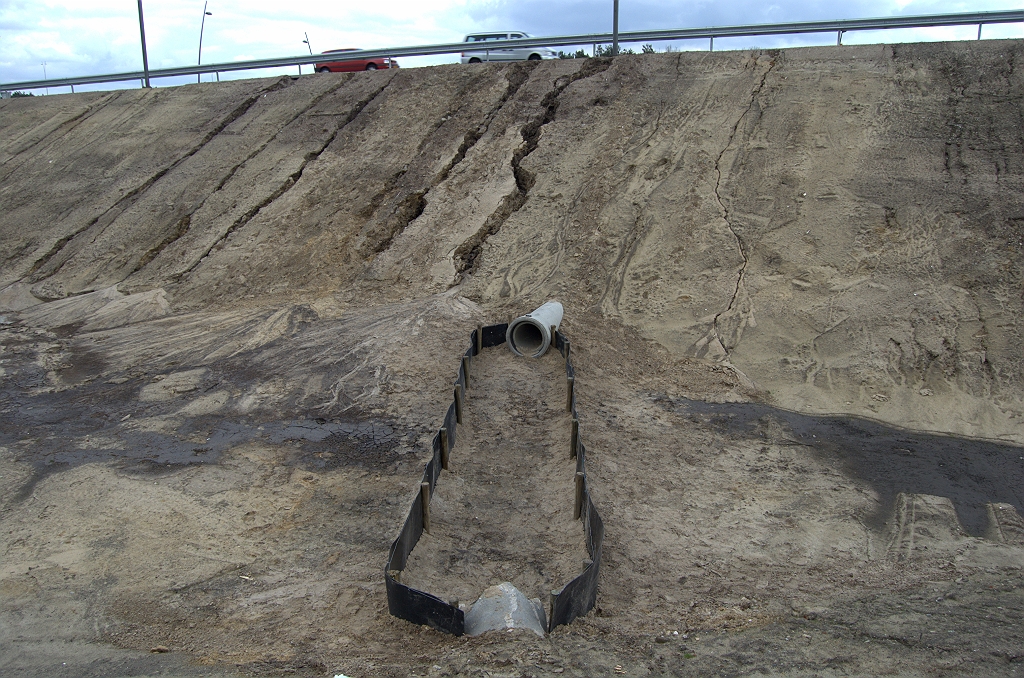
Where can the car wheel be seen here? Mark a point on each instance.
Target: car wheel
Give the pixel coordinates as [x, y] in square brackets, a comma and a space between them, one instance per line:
[371, 67]
[474, 60]
[324, 70]
[533, 57]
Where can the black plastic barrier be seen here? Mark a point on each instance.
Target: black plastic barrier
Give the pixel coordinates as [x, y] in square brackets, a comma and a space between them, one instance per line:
[575, 598]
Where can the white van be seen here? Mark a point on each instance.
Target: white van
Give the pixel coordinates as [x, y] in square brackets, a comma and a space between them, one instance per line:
[487, 47]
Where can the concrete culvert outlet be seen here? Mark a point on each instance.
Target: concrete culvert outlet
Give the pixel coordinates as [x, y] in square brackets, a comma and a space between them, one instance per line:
[531, 334]
[528, 338]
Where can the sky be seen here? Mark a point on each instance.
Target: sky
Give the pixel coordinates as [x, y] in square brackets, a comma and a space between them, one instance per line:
[67, 38]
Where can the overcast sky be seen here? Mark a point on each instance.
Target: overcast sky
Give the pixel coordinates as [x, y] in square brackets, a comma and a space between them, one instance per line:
[88, 37]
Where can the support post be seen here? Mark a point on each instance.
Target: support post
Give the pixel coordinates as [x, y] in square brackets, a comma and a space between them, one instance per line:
[458, 404]
[465, 369]
[578, 508]
[552, 599]
[571, 385]
[479, 338]
[145, 58]
[615, 29]
[425, 502]
[979, 31]
[445, 450]
[574, 439]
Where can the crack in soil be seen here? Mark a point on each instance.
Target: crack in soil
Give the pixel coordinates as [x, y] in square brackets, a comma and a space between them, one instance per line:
[413, 204]
[132, 196]
[61, 129]
[516, 76]
[185, 222]
[725, 209]
[467, 254]
[292, 179]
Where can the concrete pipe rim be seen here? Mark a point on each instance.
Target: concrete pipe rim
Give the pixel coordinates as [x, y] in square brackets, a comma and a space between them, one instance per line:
[527, 334]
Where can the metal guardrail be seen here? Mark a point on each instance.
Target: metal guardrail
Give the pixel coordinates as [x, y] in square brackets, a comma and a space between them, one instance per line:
[795, 28]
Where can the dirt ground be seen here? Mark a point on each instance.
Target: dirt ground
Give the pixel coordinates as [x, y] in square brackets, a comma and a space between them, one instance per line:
[505, 509]
[231, 315]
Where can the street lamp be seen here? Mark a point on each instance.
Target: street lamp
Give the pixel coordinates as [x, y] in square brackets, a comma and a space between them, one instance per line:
[202, 25]
[307, 45]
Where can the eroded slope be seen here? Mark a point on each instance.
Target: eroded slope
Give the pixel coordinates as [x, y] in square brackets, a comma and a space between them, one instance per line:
[231, 315]
[842, 226]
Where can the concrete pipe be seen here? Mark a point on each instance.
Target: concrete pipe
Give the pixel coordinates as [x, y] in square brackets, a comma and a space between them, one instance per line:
[532, 334]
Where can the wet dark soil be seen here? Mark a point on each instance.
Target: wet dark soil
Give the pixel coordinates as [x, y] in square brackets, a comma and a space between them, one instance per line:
[891, 460]
[57, 431]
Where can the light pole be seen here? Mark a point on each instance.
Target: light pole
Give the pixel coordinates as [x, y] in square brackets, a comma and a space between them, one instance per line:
[615, 28]
[307, 45]
[202, 25]
[145, 59]
[44, 76]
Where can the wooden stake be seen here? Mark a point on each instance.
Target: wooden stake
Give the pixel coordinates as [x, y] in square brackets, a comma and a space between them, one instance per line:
[425, 501]
[578, 510]
[465, 369]
[571, 384]
[458, 404]
[574, 439]
[444, 448]
[479, 338]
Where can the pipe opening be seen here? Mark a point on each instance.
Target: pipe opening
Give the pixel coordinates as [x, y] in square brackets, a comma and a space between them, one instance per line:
[527, 338]
[532, 334]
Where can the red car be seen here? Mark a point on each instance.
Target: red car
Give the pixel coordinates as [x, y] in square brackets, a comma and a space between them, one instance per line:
[350, 65]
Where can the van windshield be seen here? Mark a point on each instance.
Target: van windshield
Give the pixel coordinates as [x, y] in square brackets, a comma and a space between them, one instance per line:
[485, 38]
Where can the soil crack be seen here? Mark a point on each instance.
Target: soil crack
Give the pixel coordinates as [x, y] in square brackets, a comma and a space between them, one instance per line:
[516, 76]
[20, 147]
[754, 95]
[292, 179]
[41, 266]
[467, 254]
[185, 222]
[413, 204]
